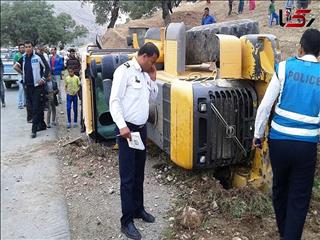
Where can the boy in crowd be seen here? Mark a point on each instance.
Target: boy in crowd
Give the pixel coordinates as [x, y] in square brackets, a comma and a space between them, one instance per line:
[72, 85]
[51, 89]
[273, 14]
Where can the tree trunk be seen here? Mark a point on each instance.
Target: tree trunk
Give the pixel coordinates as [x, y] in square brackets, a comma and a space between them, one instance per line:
[114, 13]
[177, 2]
[165, 11]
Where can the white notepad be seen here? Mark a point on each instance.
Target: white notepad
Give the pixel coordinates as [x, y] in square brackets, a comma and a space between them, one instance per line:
[136, 141]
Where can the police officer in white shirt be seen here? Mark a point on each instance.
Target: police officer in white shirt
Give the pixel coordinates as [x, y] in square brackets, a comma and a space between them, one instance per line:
[134, 84]
[294, 133]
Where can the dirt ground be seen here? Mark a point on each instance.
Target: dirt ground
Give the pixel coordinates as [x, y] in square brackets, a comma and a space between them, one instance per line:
[91, 181]
[92, 186]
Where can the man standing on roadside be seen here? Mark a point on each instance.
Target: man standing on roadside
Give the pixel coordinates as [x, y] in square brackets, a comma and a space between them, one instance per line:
[42, 51]
[294, 133]
[230, 7]
[56, 66]
[34, 70]
[134, 83]
[21, 97]
[73, 62]
[206, 18]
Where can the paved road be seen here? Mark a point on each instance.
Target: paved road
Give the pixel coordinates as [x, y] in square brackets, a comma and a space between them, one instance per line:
[32, 200]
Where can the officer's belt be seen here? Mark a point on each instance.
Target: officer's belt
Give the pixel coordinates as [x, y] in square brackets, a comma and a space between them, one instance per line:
[131, 125]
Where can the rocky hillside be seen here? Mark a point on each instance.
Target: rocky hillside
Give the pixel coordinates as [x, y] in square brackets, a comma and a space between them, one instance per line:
[82, 15]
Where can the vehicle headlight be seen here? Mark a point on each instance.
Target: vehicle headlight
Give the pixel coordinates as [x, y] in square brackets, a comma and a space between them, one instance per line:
[202, 107]
[202, 159]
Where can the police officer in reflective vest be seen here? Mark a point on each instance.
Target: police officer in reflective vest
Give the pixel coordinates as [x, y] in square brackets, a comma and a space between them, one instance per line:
[133, 85]
[294, 133]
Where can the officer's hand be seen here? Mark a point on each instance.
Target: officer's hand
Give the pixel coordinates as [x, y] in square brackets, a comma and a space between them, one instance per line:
[257, 143]
[125, 133]
[153, 72]
[41, 82]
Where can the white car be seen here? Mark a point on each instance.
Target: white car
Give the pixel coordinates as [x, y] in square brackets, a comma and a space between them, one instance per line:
[10, 76]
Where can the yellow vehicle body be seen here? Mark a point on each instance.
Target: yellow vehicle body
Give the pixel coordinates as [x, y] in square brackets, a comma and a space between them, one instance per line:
[204, 114]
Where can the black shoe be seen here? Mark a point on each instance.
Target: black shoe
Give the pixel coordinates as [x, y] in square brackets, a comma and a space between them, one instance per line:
[147, 217]
[42, 126]
[33, 135]
[131, 231]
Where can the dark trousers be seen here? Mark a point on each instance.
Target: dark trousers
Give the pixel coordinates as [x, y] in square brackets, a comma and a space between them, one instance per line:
[2, 92]
[72, 100]
[241, 5]
[230, 7]
[293, 165]
[131, 168]
[29, 93]
[81, 110]
[35, 107]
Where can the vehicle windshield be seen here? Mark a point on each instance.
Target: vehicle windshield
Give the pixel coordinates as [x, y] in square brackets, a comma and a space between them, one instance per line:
[8, 68]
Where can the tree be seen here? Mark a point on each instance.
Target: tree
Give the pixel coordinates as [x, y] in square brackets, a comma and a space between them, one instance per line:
[35, 21]
[143, 8]
[105, 11]
[108, 11]
[67, 29]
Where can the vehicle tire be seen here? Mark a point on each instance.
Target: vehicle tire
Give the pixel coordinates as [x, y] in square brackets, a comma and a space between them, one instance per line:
[94, 68]
[198, 51]
[8, 84]
[109, 64]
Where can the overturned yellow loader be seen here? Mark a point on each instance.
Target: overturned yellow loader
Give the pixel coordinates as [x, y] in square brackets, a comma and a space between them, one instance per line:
[211, 80]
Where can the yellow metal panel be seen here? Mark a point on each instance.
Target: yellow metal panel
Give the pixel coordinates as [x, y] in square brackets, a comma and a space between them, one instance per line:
[87, 95]
[261, 171]
[257, 60]
[230, 56]
[160, 46]
[267, 58]
[94, 57]
[135, 40]
[170, 57]
[248, 61]
[87, 105]
[181, 150]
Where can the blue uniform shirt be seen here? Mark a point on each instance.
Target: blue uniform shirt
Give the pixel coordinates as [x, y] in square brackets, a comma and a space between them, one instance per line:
[208, 20]
[296, 85]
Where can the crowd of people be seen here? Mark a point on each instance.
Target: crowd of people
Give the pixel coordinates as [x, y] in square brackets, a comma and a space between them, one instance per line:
[289, 6]
[40, 84]
[209, 19]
